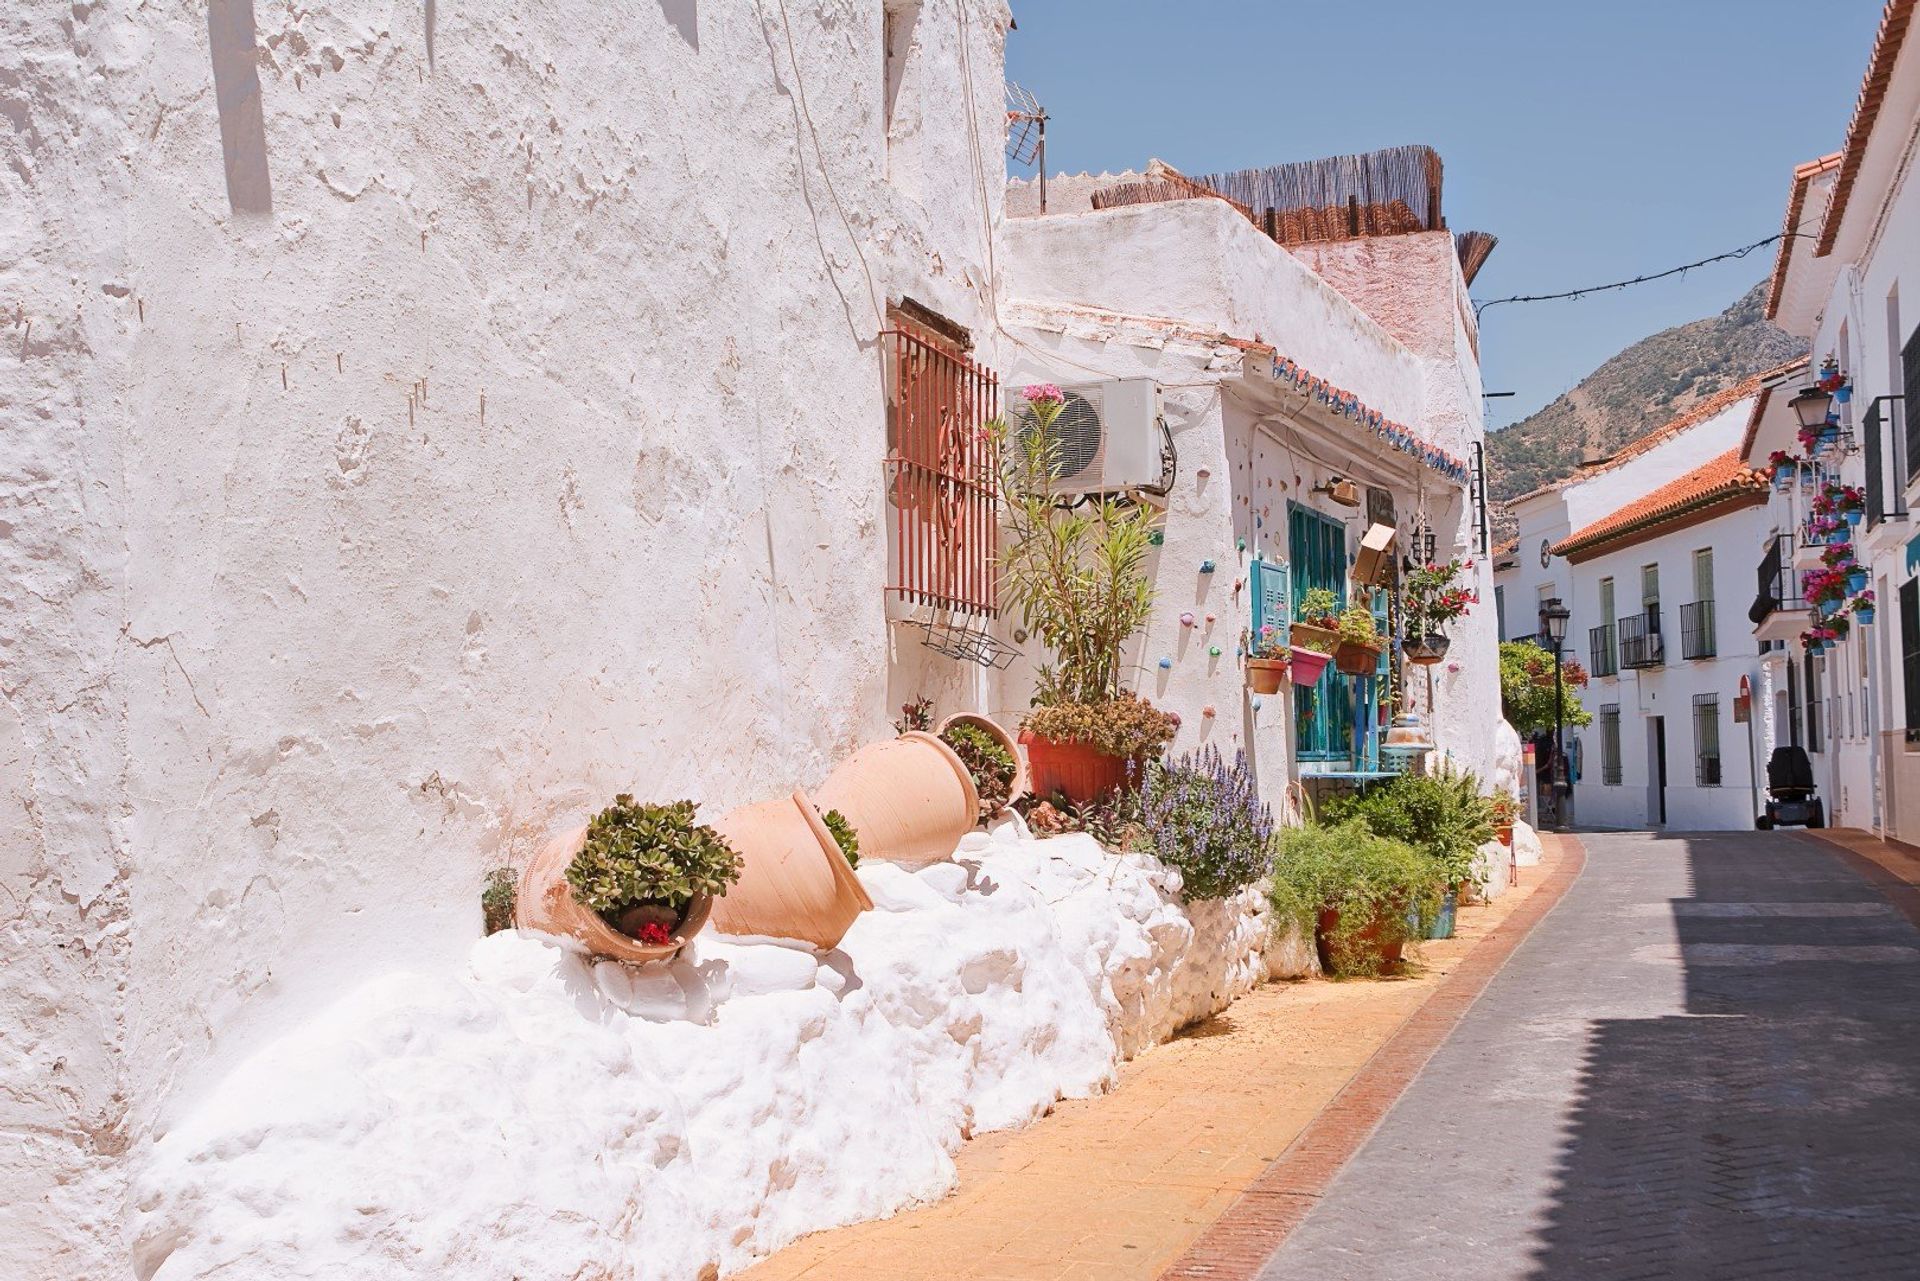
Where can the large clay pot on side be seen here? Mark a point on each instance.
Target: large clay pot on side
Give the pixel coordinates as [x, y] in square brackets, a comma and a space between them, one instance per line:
[1006, 740]
[910, 799]
[546, 903]
[794, 881]
[1076, 770]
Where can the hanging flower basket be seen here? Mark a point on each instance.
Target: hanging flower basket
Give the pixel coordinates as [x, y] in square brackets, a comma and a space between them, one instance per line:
[1352, 658]
[1307, 665]
[1266, 675]
[1425, 650]
[1311, 635]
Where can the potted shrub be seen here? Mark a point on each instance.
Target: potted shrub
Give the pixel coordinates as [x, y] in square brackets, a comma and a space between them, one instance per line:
[1268, 659]
[1361, 895]
[1505, 811]
[1086, 750]
[634, 884]
[1316, 626]
[1443, 816]
[990, 755]
[1077, 572]
[1357, 653]
[1206, 818]
[796, 878]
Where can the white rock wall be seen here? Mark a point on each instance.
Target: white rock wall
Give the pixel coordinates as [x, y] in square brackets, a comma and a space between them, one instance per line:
[507, 433]
[664, 1123]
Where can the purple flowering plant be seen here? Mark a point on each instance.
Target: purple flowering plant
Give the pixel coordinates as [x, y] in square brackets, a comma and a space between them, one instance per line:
[1205, 817]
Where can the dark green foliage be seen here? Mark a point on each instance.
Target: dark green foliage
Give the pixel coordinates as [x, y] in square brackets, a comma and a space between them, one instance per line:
[498, 898]
[1380, 887]
[1126, 725]
[843, 835]
[1444, 817]
[649, 854]
[990, 763]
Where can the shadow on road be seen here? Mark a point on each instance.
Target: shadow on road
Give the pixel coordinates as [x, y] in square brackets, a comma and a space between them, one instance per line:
[1774, 1128]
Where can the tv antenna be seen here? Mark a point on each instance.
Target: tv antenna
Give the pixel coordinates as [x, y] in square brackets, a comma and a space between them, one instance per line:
[1027, 134]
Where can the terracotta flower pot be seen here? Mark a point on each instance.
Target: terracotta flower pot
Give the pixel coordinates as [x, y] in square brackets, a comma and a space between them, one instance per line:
[794, 881]
[1006, 740]
[1306, 635]
[546, 903]
[1356, 659]
[910, 799]
[1266, 675]
[1368, 939]
[1503, 832]
[1308, 664]
[1074, 769]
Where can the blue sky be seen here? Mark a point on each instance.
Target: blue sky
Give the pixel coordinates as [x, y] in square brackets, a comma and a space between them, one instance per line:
[1597, 140]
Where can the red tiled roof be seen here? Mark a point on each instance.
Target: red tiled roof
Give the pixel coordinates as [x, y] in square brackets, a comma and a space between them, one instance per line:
[1803, 176]
[1722, 482]
[1894, 21]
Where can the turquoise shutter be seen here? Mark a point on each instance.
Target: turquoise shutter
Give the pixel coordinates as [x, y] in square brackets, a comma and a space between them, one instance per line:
[1272, 595]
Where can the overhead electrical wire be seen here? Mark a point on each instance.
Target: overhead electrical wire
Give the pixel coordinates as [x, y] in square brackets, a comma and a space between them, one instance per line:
[1741, 252]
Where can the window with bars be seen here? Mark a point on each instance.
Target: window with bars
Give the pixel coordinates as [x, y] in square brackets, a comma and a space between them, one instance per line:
[1910, 652]
[1706, 739]
[942, 471]
[1610, 744]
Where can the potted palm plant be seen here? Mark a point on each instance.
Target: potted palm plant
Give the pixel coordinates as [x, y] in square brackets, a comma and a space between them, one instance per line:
[1077, 573]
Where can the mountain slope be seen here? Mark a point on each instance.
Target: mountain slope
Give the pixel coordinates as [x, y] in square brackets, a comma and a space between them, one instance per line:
[1644, 386]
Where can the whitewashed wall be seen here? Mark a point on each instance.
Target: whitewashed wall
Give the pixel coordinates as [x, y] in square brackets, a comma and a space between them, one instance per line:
[523, 445]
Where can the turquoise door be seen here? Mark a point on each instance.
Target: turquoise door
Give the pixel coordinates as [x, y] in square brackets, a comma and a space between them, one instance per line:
[1322, 712]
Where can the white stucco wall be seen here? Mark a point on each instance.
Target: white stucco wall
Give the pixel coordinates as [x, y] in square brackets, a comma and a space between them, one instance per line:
[528, 447]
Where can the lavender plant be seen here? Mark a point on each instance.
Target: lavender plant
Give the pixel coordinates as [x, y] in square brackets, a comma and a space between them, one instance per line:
[1206, 818]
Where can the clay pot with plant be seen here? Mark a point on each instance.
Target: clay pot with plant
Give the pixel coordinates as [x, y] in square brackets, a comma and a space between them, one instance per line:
[634, 884]
[1269, 658]
[1077, 575]
[909, 799]
[796, 878]
[1363, 897]
[1357, 653]
[1316, 626]
[991, 756]
[1505, 812]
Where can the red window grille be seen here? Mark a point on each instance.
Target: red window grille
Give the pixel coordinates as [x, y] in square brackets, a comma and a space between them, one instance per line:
[942, 467]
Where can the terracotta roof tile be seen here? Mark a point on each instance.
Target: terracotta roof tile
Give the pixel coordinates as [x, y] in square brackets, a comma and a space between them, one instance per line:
[1723, 480]
[1894, 21]
[1803, 176]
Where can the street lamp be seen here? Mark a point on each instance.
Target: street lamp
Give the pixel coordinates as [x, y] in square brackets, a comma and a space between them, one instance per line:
[1553, 625]
[1811, 407]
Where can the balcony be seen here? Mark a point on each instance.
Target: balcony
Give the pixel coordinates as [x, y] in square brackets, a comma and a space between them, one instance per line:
[1640, 641]
[1601, 656]
[1778, 612]
[1697, 638]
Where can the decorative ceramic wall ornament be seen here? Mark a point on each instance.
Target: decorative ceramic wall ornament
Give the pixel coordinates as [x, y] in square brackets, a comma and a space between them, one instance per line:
[1175, 718]
[1206, 567]
[1165, 663]
[1210, 618]
[1207, 711]
[1213, 651]
[1256, 704]
[1186, 620]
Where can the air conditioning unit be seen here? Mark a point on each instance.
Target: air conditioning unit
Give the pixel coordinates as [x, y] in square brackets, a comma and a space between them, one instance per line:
[1110, 436]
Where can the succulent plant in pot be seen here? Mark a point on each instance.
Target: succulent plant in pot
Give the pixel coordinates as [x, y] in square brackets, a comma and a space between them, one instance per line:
[989, 755]
[1086, 750]
[644, 868]
[1357, 652]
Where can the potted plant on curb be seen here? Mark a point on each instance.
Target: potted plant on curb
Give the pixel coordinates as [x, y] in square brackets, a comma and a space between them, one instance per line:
[634, 884]
[1361, 895]
[990, 755]
[1078, 575]
[1358, 651]
[1268, 659]
[1505, 812]
[1443, 816]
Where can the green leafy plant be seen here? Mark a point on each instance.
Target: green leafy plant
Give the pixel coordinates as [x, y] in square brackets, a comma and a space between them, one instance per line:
[1503, 809]
[1382, 891]
[649, 856]
[1206, 818]
[1114, 820]
[1357, 626]
[988, 760]
[1442, 816]
[843, 835]
[1318, 607]
[1126, 725]
[499, 895]
[1076, 574]
[1526, 688]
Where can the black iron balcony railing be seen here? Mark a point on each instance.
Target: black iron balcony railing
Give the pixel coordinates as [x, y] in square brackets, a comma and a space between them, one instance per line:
[1601, 659]
[1696, 630]
[1640, 641]
[1779, 585]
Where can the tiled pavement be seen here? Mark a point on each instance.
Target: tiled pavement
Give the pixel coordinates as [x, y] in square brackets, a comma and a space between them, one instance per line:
[1702, 1066]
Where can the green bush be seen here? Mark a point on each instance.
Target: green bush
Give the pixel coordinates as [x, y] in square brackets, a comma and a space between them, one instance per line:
[1442, 816]
[498, 898]
[843, 835]
[649, 855]
[1126, 725]
[991, 764]
[1375, 883]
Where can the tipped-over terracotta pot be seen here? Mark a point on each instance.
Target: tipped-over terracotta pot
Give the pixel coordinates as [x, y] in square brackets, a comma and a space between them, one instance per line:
[546, 903]
[1000, 735]
[909, 798]
[794, 881]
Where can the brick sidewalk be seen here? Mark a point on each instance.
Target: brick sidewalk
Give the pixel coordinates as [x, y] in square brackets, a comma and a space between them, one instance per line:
[1119, 1187]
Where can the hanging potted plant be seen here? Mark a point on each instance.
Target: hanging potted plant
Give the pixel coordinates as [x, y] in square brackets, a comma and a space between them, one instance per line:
[1432, 596]
[991, 756]
[1862, 607]
[1268, 658]
[1316, 624]
[1784, 466]
[1078, 575]
[1357, 653]
[634, 884]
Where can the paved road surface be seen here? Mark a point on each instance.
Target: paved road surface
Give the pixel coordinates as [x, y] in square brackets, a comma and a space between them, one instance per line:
[1704, 1064]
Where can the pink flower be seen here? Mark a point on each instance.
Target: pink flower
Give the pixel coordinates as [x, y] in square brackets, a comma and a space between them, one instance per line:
[1043, 393]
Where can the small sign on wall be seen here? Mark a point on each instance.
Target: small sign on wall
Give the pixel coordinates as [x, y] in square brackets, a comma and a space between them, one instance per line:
[1743, 702]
